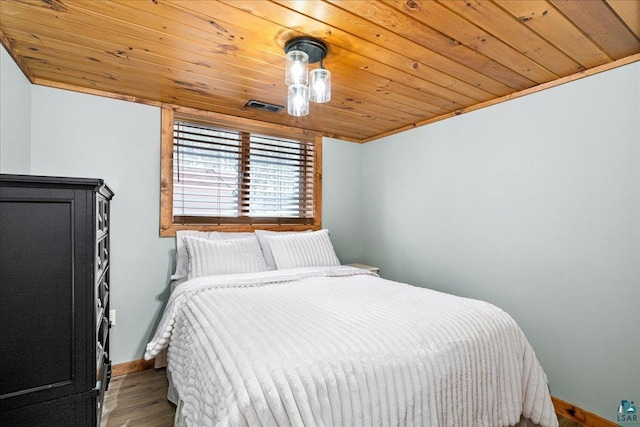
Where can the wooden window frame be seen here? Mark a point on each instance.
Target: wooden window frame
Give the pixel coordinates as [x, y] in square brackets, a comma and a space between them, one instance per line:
[169, 113]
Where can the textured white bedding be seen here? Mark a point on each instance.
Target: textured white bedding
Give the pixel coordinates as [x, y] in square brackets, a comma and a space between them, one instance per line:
[337, 346]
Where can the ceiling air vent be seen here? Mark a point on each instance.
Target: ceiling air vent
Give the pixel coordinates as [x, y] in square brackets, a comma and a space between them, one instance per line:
[264, 106]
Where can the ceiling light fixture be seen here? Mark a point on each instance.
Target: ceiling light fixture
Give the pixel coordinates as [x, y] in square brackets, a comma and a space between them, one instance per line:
[300, 52]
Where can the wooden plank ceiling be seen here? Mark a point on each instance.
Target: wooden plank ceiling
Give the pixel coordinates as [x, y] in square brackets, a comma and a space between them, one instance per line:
[395, 63]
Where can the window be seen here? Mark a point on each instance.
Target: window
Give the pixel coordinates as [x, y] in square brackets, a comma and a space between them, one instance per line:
[221, 173]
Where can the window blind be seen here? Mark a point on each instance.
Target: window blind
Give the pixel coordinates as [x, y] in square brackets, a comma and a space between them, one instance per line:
[226, 176]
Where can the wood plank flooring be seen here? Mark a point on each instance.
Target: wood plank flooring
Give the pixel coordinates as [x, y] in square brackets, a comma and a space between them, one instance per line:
[140, 399]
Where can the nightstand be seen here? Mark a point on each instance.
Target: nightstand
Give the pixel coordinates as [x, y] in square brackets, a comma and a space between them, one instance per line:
[365, 267]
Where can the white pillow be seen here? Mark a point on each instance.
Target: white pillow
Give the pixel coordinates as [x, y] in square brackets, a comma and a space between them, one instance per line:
[262, 236]
[228, 256]
[182, 258]
[303, 250]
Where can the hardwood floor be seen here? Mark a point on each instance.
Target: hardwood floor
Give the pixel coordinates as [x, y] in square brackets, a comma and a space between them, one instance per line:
[140, 399]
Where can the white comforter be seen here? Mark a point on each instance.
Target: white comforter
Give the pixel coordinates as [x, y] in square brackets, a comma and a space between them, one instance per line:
[341, 347]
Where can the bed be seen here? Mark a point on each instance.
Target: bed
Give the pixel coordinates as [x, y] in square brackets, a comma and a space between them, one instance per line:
[279, 342]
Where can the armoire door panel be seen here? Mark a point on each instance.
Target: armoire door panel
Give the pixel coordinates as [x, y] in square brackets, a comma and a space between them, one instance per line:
[36, 277]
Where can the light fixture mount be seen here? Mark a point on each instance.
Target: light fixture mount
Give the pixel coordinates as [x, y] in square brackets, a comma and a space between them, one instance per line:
[316, 49]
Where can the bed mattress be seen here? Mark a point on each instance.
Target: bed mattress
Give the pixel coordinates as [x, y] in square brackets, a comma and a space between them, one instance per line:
[339, 346]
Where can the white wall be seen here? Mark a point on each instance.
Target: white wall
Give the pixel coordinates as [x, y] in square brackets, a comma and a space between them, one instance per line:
[342, 197]
[15, 117]
[533, 205]
[81, 135]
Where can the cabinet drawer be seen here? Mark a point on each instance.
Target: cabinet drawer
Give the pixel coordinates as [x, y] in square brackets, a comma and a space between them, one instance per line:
[104, 376]
[102, 296]
[102, 337]
[102, 255]
[102, 215]
[76, 410]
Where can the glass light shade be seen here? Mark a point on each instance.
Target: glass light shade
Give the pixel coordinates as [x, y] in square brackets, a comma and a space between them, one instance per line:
[298, 100]
[297, 68]
[320, 85]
